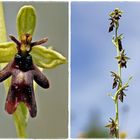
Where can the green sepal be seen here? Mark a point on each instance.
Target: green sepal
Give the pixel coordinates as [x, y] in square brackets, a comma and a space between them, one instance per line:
[47, 57]
[7, 51]
[26, 20]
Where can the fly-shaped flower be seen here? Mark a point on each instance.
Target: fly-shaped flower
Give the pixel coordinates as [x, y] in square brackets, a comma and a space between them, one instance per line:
[116, 81]
[114, 17]
[122, 59]
[112, 126]
[122, 94]
[23, 57]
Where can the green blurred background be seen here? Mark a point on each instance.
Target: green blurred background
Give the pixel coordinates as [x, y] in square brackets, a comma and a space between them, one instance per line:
[52, 117]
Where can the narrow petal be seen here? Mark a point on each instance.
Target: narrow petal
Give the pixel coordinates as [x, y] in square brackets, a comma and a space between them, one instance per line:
[6, 72]
[14, 40]
[39, 42]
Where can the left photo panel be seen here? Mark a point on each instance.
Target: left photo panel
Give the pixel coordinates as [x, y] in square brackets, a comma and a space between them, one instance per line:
[34, 69]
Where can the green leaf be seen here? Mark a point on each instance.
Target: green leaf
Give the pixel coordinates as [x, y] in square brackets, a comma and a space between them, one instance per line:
[7, 51]
[47, 58]
[26, 20]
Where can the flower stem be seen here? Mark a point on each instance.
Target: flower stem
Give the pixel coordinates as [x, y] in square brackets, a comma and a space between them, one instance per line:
[20, 129]
[116, 95]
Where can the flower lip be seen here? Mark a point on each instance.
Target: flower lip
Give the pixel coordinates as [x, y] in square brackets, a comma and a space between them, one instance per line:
[23, 73]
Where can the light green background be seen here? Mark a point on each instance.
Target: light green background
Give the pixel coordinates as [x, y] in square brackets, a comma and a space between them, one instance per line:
[52, 117]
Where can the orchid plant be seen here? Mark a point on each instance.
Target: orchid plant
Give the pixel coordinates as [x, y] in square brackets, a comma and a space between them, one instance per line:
[122, 59]
[22, 62]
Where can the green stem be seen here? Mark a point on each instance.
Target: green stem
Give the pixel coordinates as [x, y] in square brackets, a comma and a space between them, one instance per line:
[116, 95]
[21, 131]
[117, 116]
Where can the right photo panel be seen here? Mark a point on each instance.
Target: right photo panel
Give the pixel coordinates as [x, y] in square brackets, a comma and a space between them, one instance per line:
[105, 70]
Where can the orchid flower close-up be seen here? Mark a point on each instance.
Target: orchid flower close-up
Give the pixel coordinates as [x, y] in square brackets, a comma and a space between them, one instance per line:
[22, 61]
